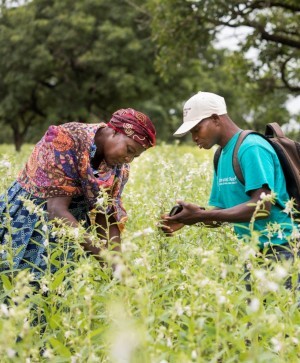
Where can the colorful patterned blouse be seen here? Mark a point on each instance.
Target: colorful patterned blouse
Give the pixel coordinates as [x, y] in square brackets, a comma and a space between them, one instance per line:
[60, 165]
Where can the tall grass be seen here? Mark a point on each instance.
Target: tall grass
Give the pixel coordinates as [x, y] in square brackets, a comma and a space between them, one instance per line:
[179, 299]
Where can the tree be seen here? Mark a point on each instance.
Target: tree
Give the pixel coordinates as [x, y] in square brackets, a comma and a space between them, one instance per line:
[73, 60]
[257, 90]
[66, 60]
[184, 28]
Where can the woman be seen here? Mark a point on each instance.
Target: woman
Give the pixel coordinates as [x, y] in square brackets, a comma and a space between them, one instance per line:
[67, 169]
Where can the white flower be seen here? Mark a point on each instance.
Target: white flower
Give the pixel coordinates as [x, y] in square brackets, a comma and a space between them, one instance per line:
[277, 344]
[68, 333]
[148, 230]
[4, 309]
[188, 310]
[221, 299]
[280, 272]
[5, 164]
[194, 355]
[76, 232]
[38, 210]
[260, 274]
[295, 234]
[74, 358]
[208, 253]
[26, 325]
[224, 273]
[289, 206]
[254, 305]
[271, 286]
[267, 197]
[178, 308]
[137, 234]
[45, 228]
[204, 282]
[125, 340]
[45, 288]
[138, 262]
[128, 246]
[262, 195]
[10, 353]
[182, 286]
[169, 342]
[48, 354]
[119, 271]
[295, 340]
[100, 201]
[46, 242]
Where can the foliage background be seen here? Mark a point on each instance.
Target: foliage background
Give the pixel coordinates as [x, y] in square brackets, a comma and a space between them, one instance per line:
[63, 60]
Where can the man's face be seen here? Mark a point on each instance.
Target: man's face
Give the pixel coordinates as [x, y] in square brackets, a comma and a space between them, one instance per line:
[121, 149]
[204, 134]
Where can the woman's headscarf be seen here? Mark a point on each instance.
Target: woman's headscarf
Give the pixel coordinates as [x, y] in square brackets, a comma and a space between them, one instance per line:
[135, 125]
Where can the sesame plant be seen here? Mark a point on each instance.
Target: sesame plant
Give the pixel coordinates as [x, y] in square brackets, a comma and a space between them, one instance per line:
[168, 300]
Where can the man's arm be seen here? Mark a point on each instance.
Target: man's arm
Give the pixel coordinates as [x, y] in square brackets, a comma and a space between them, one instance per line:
[193, 214]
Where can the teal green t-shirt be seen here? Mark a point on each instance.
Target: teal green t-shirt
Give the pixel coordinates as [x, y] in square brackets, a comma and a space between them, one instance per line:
[260, 166]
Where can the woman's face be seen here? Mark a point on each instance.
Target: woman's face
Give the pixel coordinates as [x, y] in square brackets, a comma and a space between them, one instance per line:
[119, 149]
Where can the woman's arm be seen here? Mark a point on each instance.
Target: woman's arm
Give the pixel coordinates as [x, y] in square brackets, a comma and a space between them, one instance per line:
[58, 207]
[108, 229]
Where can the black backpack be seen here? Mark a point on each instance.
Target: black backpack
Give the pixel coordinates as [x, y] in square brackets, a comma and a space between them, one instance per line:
[287, 150]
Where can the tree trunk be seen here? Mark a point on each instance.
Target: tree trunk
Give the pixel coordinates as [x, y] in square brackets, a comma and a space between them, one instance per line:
[18, 139]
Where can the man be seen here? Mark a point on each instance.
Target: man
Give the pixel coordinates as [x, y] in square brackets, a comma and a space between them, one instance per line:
[248, 207]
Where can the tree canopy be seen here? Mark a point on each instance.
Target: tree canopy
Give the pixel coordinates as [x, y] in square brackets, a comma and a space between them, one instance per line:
[73, 60]
[184, 28]
[66, 60]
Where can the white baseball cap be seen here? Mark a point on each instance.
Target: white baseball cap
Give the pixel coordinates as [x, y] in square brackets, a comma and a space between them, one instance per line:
[199, 107]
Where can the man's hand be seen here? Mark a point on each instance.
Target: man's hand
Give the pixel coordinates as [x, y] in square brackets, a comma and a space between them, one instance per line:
[169, 227]
[190, 214]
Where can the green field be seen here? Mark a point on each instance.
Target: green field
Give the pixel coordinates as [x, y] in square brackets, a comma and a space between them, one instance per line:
[180, 299]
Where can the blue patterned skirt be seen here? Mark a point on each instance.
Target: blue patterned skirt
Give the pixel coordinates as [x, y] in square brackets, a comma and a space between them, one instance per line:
[22, 229]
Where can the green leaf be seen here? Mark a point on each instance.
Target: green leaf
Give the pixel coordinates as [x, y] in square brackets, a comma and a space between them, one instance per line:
[57, 281]
[60, 348]
[6, 282]
[96, 332]
[163, 290]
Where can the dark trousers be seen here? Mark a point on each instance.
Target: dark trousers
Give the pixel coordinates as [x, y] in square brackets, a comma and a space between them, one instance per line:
[278, 253]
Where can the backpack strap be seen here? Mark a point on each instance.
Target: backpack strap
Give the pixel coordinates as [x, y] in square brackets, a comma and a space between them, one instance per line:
[235, 162]
[216, 158]
[273, 130]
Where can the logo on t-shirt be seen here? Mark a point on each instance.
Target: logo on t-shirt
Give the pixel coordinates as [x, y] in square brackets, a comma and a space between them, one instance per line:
[227, 181]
